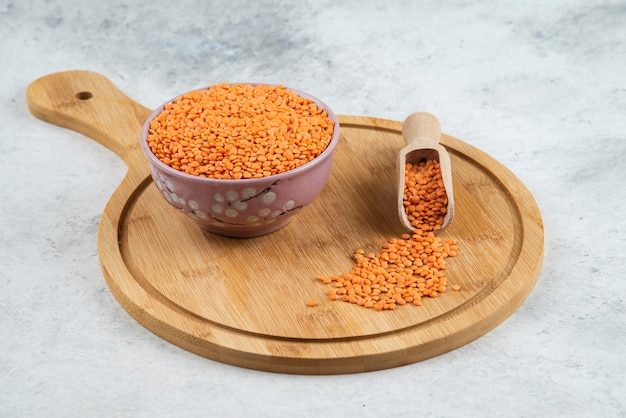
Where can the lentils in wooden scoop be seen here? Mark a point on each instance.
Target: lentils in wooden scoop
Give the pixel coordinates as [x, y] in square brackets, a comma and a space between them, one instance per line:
[424, 197]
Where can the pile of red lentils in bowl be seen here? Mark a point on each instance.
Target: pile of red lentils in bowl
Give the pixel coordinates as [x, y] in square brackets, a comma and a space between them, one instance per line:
[239, 131]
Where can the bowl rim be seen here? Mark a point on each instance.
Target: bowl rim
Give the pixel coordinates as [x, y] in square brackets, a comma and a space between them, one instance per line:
[274, 177]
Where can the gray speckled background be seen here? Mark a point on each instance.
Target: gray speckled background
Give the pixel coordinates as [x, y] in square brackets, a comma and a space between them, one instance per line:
[538, 85]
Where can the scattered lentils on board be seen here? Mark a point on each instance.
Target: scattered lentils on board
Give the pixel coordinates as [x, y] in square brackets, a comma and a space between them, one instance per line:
[409, 268]
[239, 131]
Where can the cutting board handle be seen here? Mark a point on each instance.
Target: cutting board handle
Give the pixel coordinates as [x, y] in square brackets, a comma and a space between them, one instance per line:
[89, 103]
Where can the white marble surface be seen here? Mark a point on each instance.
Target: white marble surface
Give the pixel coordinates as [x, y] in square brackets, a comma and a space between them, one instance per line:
[539, 85]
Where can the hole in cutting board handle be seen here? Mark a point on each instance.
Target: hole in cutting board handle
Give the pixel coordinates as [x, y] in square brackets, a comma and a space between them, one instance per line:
[84, 95]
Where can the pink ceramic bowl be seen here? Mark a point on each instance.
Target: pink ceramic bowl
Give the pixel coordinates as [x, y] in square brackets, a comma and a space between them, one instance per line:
[246, 207]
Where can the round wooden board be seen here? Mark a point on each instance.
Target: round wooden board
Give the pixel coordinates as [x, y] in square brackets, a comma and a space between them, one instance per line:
[244, 301]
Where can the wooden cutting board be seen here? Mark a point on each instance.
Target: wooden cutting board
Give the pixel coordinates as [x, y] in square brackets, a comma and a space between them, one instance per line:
[244, 301]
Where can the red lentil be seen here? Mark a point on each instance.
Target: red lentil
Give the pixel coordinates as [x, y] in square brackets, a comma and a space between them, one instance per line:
[408, 268]
[424, 197]
[239, 131]
[403, 272]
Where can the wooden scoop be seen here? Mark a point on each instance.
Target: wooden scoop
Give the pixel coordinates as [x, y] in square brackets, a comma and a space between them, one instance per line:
[422, 132]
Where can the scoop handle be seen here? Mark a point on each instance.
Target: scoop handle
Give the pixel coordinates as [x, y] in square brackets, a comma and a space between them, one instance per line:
[89, 103]
[420, 126]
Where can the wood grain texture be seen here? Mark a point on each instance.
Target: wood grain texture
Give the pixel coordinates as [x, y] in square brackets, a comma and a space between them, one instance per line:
[244, 301]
